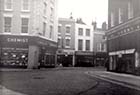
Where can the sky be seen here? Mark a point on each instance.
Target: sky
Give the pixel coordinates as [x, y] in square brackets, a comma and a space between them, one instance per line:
[88, 10]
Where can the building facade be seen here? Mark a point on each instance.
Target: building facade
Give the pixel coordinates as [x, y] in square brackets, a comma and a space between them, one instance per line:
[123, 36]
[99, 46]
[28, 32]
[83, 44]
[66, 39]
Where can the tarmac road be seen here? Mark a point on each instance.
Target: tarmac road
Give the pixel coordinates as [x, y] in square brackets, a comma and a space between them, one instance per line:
[62, 81]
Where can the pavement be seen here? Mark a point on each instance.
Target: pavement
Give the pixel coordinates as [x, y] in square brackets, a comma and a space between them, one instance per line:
[127, 80]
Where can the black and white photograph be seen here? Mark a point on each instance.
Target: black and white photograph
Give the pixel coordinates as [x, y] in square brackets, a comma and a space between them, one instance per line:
[69, 47]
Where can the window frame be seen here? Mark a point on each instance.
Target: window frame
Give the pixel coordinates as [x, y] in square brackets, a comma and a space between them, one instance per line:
[24, 26]
[80, 32]
[80, 48]
[88, 32]
[8, 25]
[22, 4]
[87, 47]
[5, 5]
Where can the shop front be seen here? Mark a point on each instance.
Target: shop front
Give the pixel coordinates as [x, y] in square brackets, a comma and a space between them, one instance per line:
[24, 51]
[84, 59]
[122, 61]
[65, 57]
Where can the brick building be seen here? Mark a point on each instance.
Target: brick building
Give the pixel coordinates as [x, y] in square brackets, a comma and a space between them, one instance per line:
[66, 39]
[123, 35]
[28, 33]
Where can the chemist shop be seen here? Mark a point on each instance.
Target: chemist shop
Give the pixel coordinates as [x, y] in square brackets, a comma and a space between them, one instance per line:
[26, 51]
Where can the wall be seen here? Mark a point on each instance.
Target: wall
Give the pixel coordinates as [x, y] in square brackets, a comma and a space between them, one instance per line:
[84, 37]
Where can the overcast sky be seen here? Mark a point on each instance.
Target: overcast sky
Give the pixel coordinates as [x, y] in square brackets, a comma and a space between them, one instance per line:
[88, 10]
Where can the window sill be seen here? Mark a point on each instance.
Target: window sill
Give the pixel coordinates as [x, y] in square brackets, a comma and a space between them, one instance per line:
[25, 10]
[10, 10]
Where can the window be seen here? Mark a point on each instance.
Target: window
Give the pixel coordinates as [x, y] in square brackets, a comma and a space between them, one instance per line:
[7, 24]
[45, 8]
[80, 44]
[80, 31]
[130, 10]
[59, 29]
[51, 31]
[51, 12]
[59, 42]
[87, 45]
[24, 25]
[87, 32]
[120, 15]
[68, 42]
[8, 4]
[44, 28]
[25, 5]
[112, 19]
[67, 29]
[98, 47]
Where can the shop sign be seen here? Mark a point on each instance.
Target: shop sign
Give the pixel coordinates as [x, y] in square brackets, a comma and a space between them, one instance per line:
[84, 53]
[18, 40]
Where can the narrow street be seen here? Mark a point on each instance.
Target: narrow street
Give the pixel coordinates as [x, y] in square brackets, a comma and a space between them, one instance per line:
[61, 81]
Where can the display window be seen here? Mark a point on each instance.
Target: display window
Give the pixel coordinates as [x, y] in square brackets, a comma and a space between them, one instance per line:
[10, 57]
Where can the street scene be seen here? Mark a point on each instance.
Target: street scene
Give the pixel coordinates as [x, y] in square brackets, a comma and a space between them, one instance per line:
[62, 81]
[69, 47]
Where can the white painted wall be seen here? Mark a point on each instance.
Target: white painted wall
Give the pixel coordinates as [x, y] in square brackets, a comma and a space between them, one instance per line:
[84, 37]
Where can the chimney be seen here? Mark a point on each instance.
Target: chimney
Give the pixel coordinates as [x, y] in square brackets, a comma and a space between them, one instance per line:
[94, 25]
[104, 26]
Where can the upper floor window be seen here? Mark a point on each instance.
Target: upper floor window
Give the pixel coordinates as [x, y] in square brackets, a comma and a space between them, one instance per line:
[67, 29]
[7, 24]
[45, 8]
[87, 45]
[51, 31]
[112, 19]
[44, 28]
[87, 32]
[68, 42]
[130, 10]
[80, 44]
[80, 31]
[120, 15]
[59, 42]
[52, 12]
[8, 4]
[24, 25]
[59, 29]
[25, 5]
